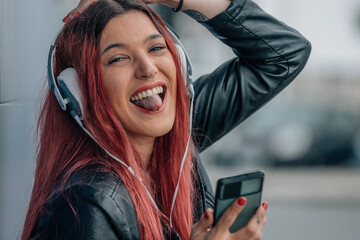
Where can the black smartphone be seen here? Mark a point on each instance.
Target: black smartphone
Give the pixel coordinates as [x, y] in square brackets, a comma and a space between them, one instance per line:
[228, 189]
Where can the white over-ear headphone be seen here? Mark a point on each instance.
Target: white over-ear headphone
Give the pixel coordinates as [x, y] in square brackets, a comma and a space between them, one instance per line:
[69, 97]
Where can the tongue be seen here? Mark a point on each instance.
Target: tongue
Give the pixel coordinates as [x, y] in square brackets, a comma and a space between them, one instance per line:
[151, 104]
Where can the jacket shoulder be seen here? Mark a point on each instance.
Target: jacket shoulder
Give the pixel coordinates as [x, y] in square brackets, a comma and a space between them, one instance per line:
[93, 205]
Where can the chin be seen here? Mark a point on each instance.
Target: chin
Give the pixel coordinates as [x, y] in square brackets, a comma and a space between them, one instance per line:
[159, 131]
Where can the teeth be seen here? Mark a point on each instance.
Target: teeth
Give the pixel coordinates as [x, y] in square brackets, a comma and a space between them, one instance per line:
[147, 93]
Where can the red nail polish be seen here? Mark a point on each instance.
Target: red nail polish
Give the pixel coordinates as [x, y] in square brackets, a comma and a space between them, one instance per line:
[241, 201]
[206, 215]
[65, 18]
[265, 205]
[76, 15]
[92, 3]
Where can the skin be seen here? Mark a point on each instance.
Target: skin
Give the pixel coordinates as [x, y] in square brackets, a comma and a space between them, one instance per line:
[124, 68]
[143, 63]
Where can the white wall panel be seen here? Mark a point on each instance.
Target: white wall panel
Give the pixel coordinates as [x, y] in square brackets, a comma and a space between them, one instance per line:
[16, 154]
[27, 29]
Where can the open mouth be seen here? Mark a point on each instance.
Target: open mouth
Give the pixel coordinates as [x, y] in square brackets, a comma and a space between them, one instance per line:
[150, 100]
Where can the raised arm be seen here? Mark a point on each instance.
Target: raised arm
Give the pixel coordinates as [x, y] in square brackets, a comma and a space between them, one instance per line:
[270, 55]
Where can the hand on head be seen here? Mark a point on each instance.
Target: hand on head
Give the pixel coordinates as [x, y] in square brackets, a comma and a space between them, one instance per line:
[252, 231]
[84, 4]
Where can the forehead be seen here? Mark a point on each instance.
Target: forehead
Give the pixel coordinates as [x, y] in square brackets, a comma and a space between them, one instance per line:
[131, 27]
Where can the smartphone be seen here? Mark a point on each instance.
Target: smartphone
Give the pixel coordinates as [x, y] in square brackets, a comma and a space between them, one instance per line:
[229, 189]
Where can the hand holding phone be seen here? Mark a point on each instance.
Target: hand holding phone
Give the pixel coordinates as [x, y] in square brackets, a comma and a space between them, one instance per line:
[237, 210]
[229, 189]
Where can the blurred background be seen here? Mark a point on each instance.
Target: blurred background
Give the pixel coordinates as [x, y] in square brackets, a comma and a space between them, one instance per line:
[307, 140]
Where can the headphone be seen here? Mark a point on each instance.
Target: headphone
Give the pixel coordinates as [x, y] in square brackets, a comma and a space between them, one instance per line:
[68, 94]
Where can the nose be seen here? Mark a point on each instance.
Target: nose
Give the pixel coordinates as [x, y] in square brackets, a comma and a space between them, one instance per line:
[146, 68]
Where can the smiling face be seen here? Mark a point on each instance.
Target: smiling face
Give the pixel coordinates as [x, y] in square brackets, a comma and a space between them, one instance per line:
[139, 75]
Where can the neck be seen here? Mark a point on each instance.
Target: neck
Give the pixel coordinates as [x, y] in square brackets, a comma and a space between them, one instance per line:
[145, 147]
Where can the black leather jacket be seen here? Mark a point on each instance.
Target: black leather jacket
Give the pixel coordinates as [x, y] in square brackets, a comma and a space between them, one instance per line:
[269, 56]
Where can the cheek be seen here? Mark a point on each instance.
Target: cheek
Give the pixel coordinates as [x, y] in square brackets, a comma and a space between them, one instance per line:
[171, 72]
[114, 87]
[109, 80]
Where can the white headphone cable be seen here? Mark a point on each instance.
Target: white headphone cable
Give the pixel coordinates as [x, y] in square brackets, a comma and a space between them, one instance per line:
[191, 88]
[77, 119]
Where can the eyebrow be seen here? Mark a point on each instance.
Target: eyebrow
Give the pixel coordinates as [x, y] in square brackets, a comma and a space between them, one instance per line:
[122, 45]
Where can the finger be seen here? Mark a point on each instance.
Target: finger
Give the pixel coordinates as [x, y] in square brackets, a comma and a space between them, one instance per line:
[206, 220]
[82, 6]
[258, 217]
[263, 224]
[66, 19]
[253, 229]
[204, 223]
[259, 233]
[230, 214]
[71, 15]
[265, 205]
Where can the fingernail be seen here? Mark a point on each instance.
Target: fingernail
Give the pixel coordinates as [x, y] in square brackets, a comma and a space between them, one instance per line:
[76, 15]
[265, 205]
[241, 201]
[68, 20]
[65, 18]
[92, 3]
[206, 215]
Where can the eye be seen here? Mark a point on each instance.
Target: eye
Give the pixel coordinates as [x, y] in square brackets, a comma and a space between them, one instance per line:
[117, 59]
[157, 48]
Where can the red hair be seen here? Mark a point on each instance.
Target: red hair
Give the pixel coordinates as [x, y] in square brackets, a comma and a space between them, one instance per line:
[64, 148]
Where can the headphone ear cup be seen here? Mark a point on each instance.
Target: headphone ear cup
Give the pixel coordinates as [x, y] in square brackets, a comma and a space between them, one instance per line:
[68, 82]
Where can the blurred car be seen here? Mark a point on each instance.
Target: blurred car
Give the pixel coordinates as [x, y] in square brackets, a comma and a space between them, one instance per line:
[291, 135]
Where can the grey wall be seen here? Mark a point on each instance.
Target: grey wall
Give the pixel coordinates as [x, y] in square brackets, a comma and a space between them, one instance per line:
[26, 31]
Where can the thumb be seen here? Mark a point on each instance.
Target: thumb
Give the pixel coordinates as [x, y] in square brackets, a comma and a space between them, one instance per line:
[204, 223]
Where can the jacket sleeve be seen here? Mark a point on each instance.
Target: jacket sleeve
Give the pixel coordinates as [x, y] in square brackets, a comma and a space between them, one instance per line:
[83, 213]
[270, 55]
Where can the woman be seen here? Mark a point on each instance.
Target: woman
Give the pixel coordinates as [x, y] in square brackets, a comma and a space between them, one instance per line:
[121, 50]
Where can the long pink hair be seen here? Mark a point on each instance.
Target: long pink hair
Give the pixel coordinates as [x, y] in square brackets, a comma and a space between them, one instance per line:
[64, 148]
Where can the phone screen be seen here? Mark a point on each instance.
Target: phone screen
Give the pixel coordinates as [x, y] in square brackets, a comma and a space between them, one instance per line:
[228, 189]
